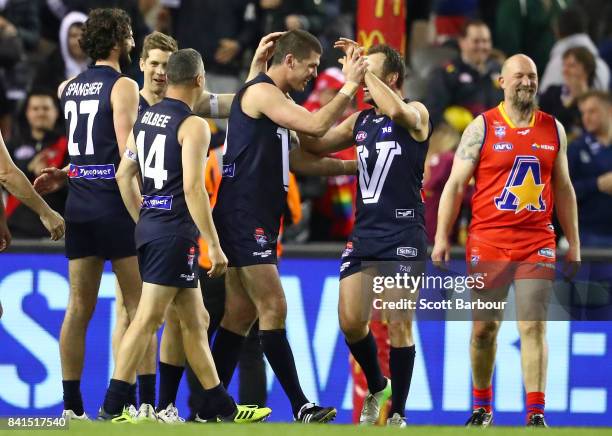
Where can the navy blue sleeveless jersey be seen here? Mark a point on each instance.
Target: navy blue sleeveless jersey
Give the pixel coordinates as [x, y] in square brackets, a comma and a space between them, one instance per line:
[143, 104]
[255, 175]
[164, 210]
[391, 165]
[92, 145]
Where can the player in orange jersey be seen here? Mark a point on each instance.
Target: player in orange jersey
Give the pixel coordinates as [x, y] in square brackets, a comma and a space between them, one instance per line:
[517, 156]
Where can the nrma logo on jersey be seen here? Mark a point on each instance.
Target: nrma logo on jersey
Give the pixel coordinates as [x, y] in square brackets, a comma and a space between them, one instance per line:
[34, 293]
[523, 189]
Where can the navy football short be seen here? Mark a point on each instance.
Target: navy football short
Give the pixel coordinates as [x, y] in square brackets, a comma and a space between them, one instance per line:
[108, 237]
[407, 246]
[244, 240]
[170, 261]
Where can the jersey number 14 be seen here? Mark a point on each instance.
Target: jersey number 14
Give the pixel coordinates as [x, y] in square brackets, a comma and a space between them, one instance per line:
[155, 157]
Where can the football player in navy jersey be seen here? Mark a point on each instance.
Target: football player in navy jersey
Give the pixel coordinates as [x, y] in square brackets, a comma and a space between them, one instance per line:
[392, 140]
[168, 148]
[100, 106]
[252, 198]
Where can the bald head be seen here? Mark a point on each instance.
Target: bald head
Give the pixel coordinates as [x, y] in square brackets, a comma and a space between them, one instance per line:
[518, 62]
[519, 80]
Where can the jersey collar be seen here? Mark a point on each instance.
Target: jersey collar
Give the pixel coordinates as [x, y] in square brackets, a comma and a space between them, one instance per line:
[507, 119]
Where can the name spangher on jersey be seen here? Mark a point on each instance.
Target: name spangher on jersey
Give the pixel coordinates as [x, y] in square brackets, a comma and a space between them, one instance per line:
[83, 89]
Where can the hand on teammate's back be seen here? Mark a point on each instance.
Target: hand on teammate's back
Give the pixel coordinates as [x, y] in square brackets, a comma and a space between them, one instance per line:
[354, 66]
[218, 262]
[53, 222]
[50, 180]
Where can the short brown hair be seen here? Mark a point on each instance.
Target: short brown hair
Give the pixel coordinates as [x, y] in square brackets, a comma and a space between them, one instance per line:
[184, 66]
[394, 62]
[469, 23]
[103, 30]
[299, 43]
[158, 40]
[585, 58]
[602, 96]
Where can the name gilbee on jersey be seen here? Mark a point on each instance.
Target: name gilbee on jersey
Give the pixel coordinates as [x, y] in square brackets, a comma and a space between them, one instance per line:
[154, 119]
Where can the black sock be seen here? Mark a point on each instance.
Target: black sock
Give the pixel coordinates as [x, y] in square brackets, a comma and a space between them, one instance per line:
[169, 380]
[117, 396]
[217, 403]
[278, 352]
[401, 364]
[72, 396]
[132, 396]
[146, 389]
[226, 352]
[366, 354]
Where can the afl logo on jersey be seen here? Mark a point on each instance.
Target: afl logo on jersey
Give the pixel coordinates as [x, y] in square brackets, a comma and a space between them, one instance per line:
[361, 136]
[260, 236]
[502, 146]
[500, 131]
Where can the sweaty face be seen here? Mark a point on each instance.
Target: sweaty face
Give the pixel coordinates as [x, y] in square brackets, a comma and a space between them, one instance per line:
[476, 46]
[596, 116]
[74, 34]
[375, 66]
[304, 71]
[41, 112]
[154, 69]
[520, 83]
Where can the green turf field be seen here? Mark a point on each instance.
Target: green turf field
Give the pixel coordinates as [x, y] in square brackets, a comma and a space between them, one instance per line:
[107, 429]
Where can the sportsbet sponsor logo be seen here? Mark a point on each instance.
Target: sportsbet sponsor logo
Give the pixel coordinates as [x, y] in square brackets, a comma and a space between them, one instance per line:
[156, 202]
[91, 172]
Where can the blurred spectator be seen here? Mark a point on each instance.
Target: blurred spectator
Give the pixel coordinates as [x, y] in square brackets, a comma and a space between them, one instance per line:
[438, 166]
[469, 81]
[21, 18]
[278, 15]
[37, 145]
[526, 26]
[220, 32]
[68, 60]
[561, 101]
[571, 29]
[451, 16]
[590, 165]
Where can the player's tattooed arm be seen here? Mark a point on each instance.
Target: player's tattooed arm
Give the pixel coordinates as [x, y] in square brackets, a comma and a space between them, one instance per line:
[464, 164]
[471, 141]
[565, 202]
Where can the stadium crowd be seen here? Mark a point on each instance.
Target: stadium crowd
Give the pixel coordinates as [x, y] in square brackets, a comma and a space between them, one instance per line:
[455, 53]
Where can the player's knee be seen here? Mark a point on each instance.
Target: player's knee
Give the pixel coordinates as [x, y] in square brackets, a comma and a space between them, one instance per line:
[79, 311]
[273, 311]
[484, 334]
[532, 329]
[400, 333]
[353, 328]
[239, 319]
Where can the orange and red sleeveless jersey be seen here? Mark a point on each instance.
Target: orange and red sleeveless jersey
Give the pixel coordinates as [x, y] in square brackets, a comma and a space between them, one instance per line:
[513, 200]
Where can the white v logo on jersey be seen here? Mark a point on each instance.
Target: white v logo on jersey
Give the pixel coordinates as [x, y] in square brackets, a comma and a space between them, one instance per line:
[371, 185]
